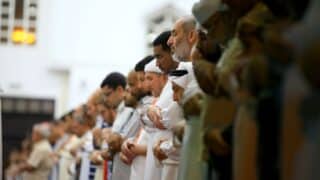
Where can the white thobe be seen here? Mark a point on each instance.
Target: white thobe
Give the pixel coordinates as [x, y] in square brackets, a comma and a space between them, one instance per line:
[120, 170]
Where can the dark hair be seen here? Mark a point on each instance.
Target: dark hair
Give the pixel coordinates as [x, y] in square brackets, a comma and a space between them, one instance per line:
[178, 73]
[162, 40]
[142, 63]
[114, 80]
[64, 116]
[285, 8]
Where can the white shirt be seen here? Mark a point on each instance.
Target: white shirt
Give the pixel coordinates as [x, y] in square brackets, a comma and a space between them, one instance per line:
[123, 116]
[120, 170]
[132, 126]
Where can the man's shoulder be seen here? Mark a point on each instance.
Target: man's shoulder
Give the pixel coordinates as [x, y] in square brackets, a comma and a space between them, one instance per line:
[43, 146]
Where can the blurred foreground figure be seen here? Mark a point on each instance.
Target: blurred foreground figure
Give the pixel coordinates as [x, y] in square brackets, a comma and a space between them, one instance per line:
[40, 161]
[300, 158]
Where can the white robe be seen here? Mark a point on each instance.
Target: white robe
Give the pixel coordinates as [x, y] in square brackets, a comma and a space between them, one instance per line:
[66, 158]
[138, 163]
[171, 113]
[121, 171]
[151, 170]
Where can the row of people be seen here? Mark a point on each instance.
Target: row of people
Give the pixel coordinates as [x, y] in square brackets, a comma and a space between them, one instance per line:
[213, 101]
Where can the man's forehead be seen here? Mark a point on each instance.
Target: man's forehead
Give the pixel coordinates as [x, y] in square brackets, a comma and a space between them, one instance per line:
[140, 73]
[132, 76]
[150, 74]
[106, 89]
[178, 25]
[157, 49]
[132, 80]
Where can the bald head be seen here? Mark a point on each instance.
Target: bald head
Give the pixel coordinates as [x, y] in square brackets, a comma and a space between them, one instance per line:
[188, 23]
[94, 98]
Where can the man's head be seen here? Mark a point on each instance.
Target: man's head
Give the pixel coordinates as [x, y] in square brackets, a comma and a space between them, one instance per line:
[183, 36]
[108, 113]
[57, 130]
[162, 53]
[133, 93]
[179, 81]
[206, 48]
[134, 85]
[67, 120]
[155, 79]
[139, 69]
[216, 18]
[113, 87]
[92, 102]
[41, 131]
[83, 121]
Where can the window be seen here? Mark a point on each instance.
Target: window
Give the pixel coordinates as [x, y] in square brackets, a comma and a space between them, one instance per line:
[18, 22]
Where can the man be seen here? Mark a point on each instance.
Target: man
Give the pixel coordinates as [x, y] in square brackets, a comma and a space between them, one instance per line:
[82, 126]
[113, 87]
[57, 139]
[93, 103]
[39, 163]
[134, 149]
[69, 140]
[98, 108]
[156, 81]
[135, 152]
[183, 38]
[218, 111]
[169, 155]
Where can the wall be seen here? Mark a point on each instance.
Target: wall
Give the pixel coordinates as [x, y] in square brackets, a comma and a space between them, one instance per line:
[79, 42]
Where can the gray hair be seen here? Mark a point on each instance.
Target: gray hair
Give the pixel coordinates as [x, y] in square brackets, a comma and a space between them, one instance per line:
[43, 129]
[188, 23]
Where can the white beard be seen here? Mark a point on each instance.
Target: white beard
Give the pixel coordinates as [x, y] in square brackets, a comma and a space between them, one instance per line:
[182, 52]
[176, 58]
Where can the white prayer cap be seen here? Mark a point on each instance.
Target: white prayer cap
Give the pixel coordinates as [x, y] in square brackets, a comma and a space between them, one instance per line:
[180, 78]
[204, 9]
[186, 80]
[192, 89]
[152, 67]
[43, 129]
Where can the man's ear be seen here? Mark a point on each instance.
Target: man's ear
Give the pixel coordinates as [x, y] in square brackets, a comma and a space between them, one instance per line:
[192, 36]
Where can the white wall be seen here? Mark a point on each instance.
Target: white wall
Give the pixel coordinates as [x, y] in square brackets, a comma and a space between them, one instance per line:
[79, 42]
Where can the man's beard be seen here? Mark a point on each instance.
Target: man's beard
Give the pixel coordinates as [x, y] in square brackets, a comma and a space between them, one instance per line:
[182, 52]
[142, 95]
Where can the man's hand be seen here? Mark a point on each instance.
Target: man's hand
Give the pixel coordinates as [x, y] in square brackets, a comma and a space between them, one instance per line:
[158, 153]
[126, 149]
[214, 141]
[105, 154]
[55, 157]
[125, 159]
[154, 115]
[106, 133]
[96, 158]
[178, 130]
[73, 152]
[114, 142]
